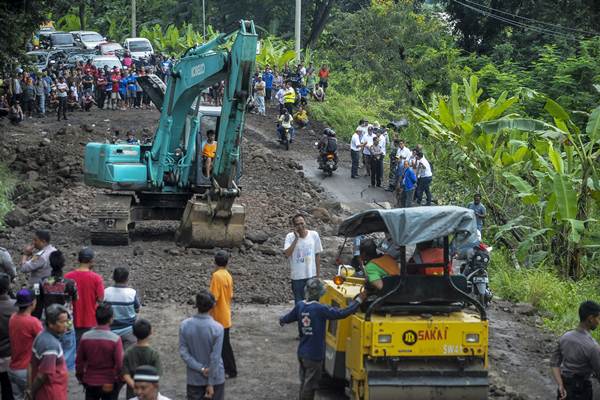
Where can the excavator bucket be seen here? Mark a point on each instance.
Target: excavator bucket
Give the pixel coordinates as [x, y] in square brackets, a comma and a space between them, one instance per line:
[201, 228]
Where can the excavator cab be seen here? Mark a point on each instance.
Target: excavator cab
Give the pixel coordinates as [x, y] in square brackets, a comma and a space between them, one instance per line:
[418, 337]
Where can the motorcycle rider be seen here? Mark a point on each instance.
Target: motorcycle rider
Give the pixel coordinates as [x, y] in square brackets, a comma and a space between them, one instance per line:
[285, 122]
[327, 144]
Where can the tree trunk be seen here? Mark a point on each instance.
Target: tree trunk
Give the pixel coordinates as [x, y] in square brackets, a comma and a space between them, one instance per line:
[320, 17]
[82, 14]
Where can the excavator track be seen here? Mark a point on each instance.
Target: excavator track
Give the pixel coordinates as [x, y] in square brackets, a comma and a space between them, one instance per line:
[113, 215]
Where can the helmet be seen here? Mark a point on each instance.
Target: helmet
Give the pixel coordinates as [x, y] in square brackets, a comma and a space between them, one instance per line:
[329, 132]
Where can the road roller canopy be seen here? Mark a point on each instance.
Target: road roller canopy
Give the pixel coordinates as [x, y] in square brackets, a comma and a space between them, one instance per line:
[408, 226]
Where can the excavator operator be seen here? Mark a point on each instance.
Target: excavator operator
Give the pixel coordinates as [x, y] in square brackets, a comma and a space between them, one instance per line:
[377, 267]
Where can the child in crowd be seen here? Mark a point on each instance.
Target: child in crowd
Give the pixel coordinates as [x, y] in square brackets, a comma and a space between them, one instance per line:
[139, 354]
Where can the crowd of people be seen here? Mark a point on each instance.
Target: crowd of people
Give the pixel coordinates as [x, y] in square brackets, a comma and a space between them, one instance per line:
[61, 89]
[60, 324]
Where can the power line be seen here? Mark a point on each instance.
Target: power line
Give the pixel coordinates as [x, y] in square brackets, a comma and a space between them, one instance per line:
[516, 23]
[531, 19]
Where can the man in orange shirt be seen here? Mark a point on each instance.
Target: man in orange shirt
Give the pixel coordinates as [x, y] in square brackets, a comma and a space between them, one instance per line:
[221, 287]
[208, 152]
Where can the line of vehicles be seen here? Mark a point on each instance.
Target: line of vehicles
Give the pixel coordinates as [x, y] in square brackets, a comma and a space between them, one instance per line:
[49, 47]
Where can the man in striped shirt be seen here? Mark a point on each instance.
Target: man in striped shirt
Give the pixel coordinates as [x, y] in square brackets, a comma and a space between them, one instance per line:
[125, 305]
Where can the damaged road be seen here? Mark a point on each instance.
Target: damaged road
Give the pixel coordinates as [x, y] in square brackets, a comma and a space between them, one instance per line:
[46, 156]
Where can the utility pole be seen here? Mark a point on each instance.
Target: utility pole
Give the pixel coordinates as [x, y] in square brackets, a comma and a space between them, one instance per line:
[297, 28]
[133, 22]
[203, 22]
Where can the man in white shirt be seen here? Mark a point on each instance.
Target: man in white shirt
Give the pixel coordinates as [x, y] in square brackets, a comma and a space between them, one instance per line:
[377, 154]
[403, 153]
[367, 142]
[146, 384]
[355, 149]
[424, 177]
[279, 96]
[63, 91]
[302, 248]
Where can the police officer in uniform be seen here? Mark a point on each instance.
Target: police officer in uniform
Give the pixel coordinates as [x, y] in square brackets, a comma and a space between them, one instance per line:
[577, 356]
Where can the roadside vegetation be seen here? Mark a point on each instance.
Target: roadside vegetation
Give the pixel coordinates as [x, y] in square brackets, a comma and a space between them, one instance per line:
[7, 185]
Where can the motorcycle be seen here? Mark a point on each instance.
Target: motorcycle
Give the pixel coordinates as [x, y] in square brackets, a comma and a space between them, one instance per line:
[285, 136]
[327, 161]
[475, 269]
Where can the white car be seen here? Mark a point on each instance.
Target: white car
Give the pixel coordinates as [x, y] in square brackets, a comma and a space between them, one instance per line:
[88, 39]
[110, 61]
[138, 47]
[111, 49]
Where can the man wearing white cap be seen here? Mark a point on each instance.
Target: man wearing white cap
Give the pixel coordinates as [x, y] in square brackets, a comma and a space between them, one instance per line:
[146, 384]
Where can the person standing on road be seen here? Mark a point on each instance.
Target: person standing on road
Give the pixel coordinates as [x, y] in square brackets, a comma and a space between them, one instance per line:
[200, 347]
[479, 210]
[577, 356]
[7, 308]
[22, 330]
[63, 91]
[57, 290]
[367, 143]
[406, 190]
[355, 150]
[302, 247]
[268, 77]
[377, 155]
[314, 316]
[139, 354]
[259, 94]
[90, 292]
[424, 177]
[125, 304]
[49, 377]
[221, 287]
[289, 98]
[38, 264]
[100, 358]
[6, 264]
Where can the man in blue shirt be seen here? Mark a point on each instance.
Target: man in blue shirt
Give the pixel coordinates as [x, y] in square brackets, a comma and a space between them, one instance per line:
[407, 188]
[267, 76]
[200, 347]
[312, 317]
[479, 209]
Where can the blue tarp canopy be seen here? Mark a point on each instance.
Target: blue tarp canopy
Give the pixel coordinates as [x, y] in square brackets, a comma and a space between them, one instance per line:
[414, 225]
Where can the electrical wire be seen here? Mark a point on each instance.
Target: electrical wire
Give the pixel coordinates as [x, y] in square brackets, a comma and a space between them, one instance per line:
[516, 23]
[531, 19]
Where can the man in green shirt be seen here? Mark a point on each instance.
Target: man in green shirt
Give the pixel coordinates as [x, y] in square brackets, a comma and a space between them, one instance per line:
[377, 267]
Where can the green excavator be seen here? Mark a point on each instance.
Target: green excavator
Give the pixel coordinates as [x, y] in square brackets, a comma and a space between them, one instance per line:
[166, 180]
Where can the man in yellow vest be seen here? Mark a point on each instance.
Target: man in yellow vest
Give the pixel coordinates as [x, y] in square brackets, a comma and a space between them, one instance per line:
[289, 98]
[377, 267]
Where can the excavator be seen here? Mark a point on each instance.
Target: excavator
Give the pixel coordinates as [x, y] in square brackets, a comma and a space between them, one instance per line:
[166, 180]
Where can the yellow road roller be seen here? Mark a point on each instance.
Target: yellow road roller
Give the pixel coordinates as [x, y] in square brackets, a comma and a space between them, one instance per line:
[421, 336]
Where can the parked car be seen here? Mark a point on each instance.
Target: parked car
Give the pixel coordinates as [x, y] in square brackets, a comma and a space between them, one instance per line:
[110, 49]
[138, 47]
[61, 40]
[43, 58]
[79, 57]
[110, 61]
[88, 39]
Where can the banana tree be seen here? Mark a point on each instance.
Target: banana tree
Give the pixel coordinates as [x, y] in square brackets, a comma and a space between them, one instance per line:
[274, 52]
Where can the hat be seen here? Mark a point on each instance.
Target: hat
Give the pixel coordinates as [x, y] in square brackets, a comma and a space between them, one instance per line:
[24, 298]
[86, 254]
[146, 373]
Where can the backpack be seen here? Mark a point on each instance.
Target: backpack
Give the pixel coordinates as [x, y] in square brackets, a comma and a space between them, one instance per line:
[331, 146]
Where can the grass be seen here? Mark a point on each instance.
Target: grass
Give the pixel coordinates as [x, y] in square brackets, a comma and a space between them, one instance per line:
[7, 185]
[557, 299]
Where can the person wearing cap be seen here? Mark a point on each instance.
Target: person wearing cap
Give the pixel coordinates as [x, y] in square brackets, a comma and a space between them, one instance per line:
[35, 258]
[200, 347]
[577, 356]
[22, 330]
[221, 287]
[146, 385]
[49, 376]
[90, 292]
[7, 308]
[314, 317]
